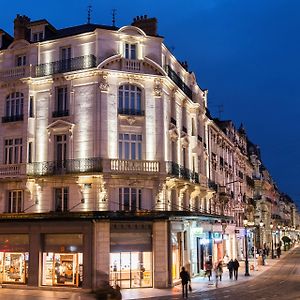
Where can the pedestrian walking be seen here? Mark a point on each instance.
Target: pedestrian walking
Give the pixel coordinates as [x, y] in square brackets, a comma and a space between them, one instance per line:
[220, 270]
[230, 268]
[278, 250]
[236, 266]
[185, 279]
[208, 269]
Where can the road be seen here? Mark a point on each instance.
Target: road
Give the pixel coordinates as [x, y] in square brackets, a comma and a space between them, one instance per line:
[280, 282]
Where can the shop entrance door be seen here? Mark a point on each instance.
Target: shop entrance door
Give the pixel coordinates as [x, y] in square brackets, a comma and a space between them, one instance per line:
[131, 269]
[60, 269]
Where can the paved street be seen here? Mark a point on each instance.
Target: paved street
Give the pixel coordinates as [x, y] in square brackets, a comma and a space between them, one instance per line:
[279, 280]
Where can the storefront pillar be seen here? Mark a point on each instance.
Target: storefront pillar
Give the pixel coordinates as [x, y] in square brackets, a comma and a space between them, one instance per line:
[102, 251]
[34, 257]
[160, 253]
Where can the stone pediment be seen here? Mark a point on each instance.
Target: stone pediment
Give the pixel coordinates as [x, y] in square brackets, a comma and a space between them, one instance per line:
[60, 126]
[19, 44]
[132, 30]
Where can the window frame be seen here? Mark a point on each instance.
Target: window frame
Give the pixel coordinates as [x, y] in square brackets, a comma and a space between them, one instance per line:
[130, 199]
[130, 100]
[14, 104]
[130, 146]
[13, 151]
[15, 201]
[63, 193]
[131, 51]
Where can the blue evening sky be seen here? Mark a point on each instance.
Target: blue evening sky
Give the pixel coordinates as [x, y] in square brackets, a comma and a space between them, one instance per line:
[246, 53]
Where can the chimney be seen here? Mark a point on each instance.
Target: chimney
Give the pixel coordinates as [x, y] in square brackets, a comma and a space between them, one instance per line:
[148, 25]
[21, 30]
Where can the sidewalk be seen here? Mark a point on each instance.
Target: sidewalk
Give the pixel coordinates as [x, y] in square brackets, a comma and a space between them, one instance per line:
[201, 283]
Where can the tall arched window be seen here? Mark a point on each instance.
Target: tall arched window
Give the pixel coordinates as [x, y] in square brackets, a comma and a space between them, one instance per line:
[14, 107]
[130, 100]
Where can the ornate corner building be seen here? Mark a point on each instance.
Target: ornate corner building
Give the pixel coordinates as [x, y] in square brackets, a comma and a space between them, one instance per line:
[111, 166]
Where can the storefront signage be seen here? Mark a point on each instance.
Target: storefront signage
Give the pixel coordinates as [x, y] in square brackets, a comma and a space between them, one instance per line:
[198, 231]
[204, 241]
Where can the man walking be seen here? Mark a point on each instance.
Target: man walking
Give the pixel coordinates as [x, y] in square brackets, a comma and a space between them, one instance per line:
[185, 279]
[236, 268]
[230, 268]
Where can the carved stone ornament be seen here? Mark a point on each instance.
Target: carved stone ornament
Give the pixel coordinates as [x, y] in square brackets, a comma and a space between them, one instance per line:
[173, 134]
[103, 85]
[157, 89]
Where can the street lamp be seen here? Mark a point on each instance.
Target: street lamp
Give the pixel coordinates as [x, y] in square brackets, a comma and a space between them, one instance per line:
[271, 226]
[245, 221]
[261, 238]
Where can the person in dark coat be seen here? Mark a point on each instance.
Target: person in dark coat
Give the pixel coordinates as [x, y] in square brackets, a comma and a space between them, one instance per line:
[208, 269]
[278, 250]
[236, 268]
[185, 279]
[230, 268]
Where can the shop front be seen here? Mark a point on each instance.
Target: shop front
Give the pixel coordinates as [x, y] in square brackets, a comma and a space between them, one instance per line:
[131, 263]
[62, 260]
[14, 258]
[199, 249]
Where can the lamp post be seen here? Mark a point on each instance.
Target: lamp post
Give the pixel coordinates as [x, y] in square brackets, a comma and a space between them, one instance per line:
[272, 248]
[261, 225]
[245, 221]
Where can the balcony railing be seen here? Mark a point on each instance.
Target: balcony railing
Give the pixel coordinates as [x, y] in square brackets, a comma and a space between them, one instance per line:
[60, 113]
[14, 118]
[131, 112]
[181, 172]
[12, 170]
[16, 72]
[131, 65]
[67, 166]
[172, 74]
[66, 65]
[131, 166]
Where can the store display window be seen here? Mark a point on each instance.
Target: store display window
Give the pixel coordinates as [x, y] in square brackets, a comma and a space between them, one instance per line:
[62, 269]
[14, 267]
[131, 269]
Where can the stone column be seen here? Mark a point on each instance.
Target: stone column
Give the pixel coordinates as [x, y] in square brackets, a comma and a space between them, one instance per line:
[102, 253]
[160, 253]
[34, 256]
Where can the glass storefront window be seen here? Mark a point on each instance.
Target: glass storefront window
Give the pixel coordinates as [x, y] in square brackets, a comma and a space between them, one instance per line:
[14, 267]
[131, 269]
[62, 269]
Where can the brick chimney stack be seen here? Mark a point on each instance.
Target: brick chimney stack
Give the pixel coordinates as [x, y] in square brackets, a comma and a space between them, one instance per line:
[21, 30]
[148, 25]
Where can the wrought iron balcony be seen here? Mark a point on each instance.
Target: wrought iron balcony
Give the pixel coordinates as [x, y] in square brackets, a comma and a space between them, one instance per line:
[68, 166]
[172, 74]
[131, 112]
[60, 113]
[181, 172]
[132, 166]
[66, 65]
[14, 118]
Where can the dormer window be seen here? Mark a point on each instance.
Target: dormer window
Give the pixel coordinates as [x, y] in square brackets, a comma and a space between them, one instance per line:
[37, 36]
[130, 51]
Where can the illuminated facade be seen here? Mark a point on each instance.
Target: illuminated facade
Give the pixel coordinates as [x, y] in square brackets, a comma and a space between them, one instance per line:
[112, 168]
